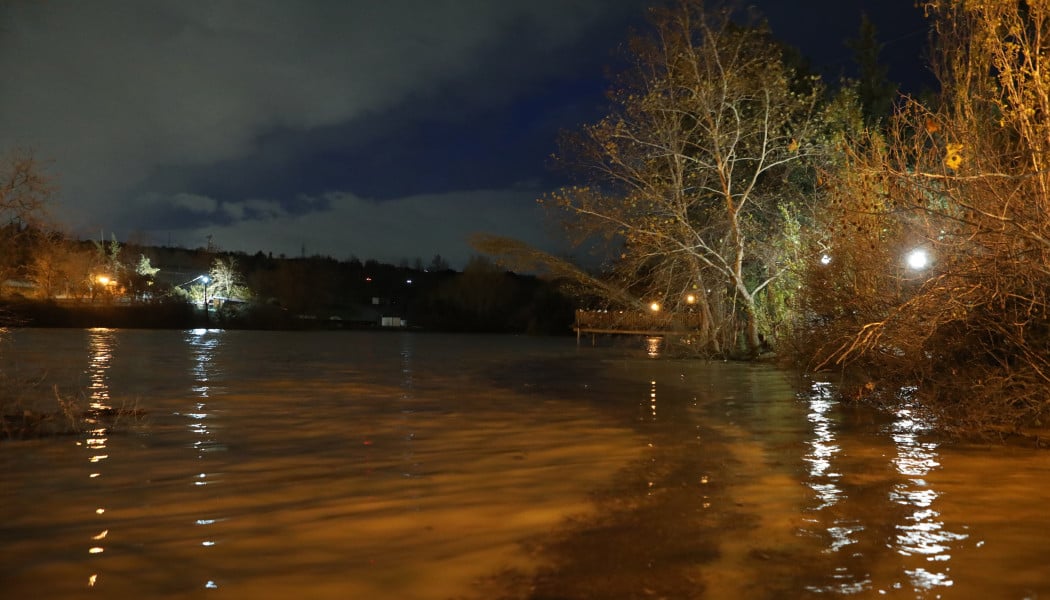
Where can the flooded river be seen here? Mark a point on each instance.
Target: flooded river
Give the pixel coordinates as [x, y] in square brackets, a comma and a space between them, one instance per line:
[413, 466]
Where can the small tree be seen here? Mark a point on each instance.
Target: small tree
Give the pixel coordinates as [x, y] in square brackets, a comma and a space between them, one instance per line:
[78, 263]
[107, 260]
[47, 265]
[24, 188]
[438, 264]
[227, 281]
[24, 191]
[141, 278]
[874, 89]
[107, 278]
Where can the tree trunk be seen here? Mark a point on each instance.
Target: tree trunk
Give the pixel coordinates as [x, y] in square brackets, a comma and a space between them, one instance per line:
[710, 340]
[754, 342]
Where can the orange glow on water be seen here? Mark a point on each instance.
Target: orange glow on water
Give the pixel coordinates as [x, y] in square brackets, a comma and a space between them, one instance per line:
[412, 467]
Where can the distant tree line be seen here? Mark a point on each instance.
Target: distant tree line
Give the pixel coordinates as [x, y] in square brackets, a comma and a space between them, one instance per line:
[51, 278]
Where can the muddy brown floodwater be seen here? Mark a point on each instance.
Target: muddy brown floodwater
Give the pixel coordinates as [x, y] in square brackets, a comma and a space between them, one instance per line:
[412, 466]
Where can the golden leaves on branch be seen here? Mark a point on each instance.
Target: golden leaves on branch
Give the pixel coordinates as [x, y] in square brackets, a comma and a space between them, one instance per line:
[953, 157]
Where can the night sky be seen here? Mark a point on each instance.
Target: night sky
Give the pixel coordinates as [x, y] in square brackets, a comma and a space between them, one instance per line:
[387, 130]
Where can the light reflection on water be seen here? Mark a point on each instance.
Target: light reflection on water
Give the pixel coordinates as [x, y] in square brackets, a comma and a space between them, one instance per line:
[822, 447]
[920, 535]
[338, 466]
[204, 345]
[102, 344]
[408, 412]
[824, 481]
[923, 534]
[653, 346]
[396, 465]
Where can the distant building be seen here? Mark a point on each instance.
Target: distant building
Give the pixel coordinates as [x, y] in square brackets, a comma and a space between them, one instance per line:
[16, 286]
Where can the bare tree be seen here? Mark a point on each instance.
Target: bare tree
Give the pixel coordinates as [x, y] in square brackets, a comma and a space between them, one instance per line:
[697, 172]
[47, 264]
[24, 190]
[77, 267]
[227, 281]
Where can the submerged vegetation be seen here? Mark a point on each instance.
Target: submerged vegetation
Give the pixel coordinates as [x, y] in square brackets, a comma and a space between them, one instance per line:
[28, 410]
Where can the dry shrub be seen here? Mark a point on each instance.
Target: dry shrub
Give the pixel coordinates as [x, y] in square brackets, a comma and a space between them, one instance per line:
[967, 178]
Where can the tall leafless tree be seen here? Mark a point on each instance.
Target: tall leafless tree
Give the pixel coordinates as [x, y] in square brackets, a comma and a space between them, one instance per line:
[694, 175]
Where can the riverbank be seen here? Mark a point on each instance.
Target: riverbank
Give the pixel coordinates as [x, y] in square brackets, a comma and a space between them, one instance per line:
[160, 315]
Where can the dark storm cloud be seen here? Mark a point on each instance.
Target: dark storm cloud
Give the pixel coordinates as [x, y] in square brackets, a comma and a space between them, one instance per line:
[159, 212]
[393, 155]
[405, 228]
[117, 92]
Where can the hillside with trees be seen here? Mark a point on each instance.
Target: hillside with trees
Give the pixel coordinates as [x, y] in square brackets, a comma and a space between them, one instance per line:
[52, 280]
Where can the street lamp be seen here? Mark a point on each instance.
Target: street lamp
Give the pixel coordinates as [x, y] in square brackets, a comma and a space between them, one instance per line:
[105, 283]
[655, 307]
[917, 259]
[205, 279]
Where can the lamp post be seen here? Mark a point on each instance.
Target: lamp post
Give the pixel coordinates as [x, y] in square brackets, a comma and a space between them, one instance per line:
[205, 279]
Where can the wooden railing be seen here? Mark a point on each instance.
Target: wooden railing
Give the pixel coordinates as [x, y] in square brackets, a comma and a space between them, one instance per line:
[635, 322]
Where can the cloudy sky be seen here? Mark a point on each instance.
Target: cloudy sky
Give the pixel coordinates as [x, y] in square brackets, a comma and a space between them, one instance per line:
[379, 129]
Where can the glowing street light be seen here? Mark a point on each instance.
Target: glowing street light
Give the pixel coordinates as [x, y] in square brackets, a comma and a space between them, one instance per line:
[205, 279]
[655, 307]
[917, 259]
[104, 282]
[690, 299]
